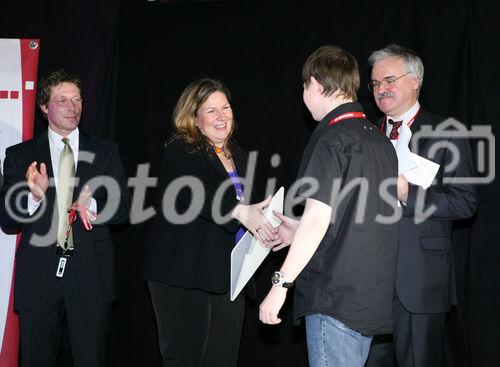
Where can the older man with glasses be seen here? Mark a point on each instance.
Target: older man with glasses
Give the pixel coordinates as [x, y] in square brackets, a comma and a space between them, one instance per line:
[424, 286]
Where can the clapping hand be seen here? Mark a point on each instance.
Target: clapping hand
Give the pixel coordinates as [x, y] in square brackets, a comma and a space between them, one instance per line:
[38, 181]
[84, 197]
[82, 206]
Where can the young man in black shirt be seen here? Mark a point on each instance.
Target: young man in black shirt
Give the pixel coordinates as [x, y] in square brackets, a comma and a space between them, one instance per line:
[343, 250]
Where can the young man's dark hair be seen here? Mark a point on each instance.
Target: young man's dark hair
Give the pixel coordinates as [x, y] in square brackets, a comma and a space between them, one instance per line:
[335, 69]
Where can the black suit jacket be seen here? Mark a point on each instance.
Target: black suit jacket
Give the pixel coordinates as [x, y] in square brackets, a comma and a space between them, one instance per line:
[424, 271]
[194, 254]
[93, 262]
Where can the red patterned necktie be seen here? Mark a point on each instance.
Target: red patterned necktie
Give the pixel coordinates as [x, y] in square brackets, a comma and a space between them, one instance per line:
[395, 127]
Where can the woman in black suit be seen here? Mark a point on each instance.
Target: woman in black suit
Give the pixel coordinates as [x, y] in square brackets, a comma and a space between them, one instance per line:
[188, 264]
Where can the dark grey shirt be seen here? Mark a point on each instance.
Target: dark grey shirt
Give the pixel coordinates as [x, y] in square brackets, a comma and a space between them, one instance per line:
[351, 275]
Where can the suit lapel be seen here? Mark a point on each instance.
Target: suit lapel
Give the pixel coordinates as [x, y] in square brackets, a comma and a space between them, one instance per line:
[381, 124]
[42, 154]
[216, 163]
[84, 167]
[239, 161]
[423, 118]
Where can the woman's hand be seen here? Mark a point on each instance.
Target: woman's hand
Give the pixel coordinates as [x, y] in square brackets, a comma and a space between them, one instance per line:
[252, 218]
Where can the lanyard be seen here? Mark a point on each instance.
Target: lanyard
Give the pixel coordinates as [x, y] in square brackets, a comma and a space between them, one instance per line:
[86, 216]
[347, 115]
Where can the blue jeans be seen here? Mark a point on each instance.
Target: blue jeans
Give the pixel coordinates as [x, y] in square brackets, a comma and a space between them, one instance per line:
[330, 343]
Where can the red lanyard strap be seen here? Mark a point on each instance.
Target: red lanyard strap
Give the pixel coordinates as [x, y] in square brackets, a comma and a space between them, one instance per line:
[347, 115]
[71, 220]
[86, 216]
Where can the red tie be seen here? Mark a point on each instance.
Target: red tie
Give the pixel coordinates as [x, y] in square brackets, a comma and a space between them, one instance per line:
[395, 126]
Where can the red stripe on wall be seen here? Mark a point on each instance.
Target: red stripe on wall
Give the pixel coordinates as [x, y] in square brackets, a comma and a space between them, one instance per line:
[29, 69]
[10, 347]
[29, 61]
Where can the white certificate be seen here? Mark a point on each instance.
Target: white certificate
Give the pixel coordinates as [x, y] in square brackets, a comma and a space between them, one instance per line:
[417, 170]
[424, 173]
[405, 159]
[249, 252]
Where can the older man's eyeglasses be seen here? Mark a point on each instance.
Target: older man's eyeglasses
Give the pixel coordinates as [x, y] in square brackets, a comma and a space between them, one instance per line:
[65, 102]
[387, 81]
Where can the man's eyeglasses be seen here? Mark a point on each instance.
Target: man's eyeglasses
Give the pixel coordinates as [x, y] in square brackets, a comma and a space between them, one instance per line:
[64, 102]
[388, 81]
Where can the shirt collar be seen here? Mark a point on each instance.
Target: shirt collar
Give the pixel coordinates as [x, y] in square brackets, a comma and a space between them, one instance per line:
[408, 115]
[55, 139]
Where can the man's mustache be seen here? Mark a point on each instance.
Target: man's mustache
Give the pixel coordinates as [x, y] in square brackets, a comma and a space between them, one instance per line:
[385, 94]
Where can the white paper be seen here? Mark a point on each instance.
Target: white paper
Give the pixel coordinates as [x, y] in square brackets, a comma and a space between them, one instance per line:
[249, 252]
[424, 173]
[405, 160]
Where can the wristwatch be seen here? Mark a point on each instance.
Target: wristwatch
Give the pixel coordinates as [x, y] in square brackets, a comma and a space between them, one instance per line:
[278, 279]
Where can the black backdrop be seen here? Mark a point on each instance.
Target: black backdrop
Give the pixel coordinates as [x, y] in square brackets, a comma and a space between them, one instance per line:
[136, 57]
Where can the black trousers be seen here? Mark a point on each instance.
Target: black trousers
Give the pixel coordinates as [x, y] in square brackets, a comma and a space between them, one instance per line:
[197, 328]
[381, 352]
[88, 324]
[418, 341]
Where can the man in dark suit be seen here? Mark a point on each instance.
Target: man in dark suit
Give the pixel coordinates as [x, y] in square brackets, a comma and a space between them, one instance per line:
[424, 286]
[63, 269]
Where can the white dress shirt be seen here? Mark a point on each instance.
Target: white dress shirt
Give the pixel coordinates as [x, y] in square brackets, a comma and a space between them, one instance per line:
[56, 146]
[405, 117]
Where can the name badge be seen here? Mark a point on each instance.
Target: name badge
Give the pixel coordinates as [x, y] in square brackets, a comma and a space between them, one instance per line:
[61, 266]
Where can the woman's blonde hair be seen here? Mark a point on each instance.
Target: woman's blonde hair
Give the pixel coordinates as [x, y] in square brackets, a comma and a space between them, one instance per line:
[193, 96]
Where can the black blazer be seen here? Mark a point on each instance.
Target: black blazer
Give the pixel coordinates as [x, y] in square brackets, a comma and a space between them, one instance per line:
[194, 254]
[424, 271]
[36, 260]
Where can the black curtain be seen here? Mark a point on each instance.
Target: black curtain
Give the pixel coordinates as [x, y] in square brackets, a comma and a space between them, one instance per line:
[80, 36]
[135, 58]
